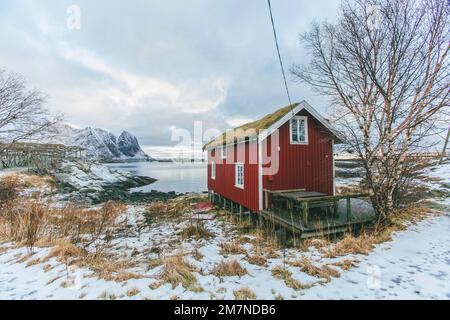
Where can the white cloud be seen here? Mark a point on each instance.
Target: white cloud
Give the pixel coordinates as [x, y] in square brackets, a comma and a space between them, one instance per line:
[236, 121]
[130, 90]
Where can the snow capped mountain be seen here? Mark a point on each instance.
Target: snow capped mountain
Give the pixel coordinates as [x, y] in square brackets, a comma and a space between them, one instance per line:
[129, 145]
[100, 144]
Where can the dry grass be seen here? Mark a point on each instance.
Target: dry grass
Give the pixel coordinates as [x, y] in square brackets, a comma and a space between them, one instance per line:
[347, 264]
[154, 263]
[231, 248]
[244, 294]
[9, 189]
[281, 273]
[257, 259]
[196, 231]
[197, 255]
[350, 244]
[53, 280]
[317, 243]
[104, 266]
[28, 222]
[366, 241]
[23, 222]
[63, 251]
[47, 267]
[155, 285]
[178, 271]
[33, 262]
[325, 272]
[174, 208]
[108, 267]
[86, 225]
[228, 269]
[132, 292]
[11, 185]
[25, 257]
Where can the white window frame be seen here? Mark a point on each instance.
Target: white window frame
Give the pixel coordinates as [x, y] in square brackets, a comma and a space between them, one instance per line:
[236, 182]
[213, 170]
[298, 118]
[223, 152]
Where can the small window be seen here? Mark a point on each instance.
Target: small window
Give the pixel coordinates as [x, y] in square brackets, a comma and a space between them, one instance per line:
[224, 152]
[239, 171]
[213, 170]
[299, 130]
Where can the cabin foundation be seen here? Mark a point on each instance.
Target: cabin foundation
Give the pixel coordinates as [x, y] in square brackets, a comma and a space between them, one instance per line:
[302, 215]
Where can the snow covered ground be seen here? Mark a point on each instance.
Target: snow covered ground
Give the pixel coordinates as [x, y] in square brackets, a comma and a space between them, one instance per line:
[414, 265]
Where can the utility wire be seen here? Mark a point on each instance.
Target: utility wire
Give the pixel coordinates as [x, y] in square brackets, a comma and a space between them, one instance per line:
[279, 55]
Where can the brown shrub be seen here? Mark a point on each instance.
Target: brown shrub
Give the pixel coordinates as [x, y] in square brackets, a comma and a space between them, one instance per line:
[244, 294]
[132, 292]
[350, 244]
[347, 264]
[197, 255]
[153, 263]
[280, 272]
[197, 232]
[87, 226]
[63, 251]
[286, 275]
[177, 271]
[309, 268]
[257, 260]
[167, 209]
[9, 189]
[228, 269]
[231, 248]
[23, 222]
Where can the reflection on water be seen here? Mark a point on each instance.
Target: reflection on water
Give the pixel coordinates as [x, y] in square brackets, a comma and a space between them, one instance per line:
[178, 177]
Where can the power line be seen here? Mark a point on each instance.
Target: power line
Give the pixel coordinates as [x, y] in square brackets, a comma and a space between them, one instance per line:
[279, 55]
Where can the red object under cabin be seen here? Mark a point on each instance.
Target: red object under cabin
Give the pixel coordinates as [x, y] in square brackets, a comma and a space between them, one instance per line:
[289, 149]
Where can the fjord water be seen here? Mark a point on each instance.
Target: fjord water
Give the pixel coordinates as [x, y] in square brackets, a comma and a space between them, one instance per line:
[171, 176]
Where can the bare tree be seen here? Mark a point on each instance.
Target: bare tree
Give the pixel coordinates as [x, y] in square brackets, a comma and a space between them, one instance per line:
[22, 111]
[385, 66]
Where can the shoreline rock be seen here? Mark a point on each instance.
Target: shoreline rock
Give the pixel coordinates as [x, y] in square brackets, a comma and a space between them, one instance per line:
[94, 183]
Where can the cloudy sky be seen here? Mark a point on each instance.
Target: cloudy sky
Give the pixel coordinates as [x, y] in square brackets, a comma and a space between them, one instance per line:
[152, 67]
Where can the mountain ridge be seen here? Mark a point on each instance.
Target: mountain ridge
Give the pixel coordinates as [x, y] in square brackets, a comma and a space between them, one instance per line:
[99, 144]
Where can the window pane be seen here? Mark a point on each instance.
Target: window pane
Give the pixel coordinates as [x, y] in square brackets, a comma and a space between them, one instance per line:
[294, 130]
[239, 175]
[302, 135]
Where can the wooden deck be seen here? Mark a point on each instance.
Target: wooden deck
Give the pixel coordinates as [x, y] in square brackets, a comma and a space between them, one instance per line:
[312, 214]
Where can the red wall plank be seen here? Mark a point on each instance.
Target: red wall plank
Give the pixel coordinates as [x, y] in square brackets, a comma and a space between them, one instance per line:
[224, 184]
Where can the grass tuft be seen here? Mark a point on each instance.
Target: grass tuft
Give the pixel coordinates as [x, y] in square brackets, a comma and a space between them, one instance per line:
[309, 268]
[257, 260]
[132, 292]
[231, 248]
[178, 271]
[244, 294]
[281, 273]
[196, 232]
[229, 268]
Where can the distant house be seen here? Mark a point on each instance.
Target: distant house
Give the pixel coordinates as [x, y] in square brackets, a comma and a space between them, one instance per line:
[290, 149]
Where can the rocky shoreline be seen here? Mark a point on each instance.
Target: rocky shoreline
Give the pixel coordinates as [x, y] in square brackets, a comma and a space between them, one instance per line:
[94, 183]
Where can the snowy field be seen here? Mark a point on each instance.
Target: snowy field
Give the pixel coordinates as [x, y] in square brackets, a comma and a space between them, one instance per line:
[415, 264]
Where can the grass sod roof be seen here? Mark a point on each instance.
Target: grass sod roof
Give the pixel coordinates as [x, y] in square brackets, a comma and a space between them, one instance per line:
[251, 129]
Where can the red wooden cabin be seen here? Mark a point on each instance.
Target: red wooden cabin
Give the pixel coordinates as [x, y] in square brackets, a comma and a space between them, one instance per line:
[290, 149]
